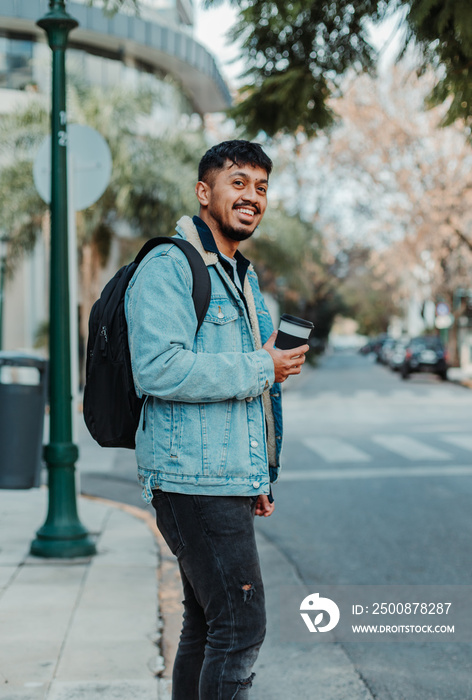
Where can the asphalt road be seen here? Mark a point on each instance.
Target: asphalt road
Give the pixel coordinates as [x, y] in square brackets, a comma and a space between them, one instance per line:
[372, 494]
[376, 489]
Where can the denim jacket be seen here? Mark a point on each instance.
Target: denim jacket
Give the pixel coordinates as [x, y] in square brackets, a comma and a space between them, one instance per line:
[212, 418]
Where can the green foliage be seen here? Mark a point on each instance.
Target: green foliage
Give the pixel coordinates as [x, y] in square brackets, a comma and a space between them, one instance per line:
[21, 209]
[41, 337]
[152, 180]
[294, 266]
[368, 298]
[297, 53]
[443, 30]
[281, 103]
[110, 7]
[153, 175]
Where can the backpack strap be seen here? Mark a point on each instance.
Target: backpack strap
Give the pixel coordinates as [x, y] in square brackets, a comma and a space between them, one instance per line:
[201, 291]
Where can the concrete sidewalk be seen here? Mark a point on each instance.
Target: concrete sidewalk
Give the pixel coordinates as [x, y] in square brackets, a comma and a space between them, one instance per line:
[460, 376]
[85, 628]
[89, 629]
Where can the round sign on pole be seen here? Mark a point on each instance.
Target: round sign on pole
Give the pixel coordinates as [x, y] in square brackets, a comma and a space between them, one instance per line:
[90, 163]
[442, 309]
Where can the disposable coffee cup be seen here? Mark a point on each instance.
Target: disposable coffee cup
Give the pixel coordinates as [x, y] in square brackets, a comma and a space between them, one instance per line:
[293, 332]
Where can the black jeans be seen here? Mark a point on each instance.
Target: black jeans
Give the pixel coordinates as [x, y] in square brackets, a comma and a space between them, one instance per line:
[224, 611]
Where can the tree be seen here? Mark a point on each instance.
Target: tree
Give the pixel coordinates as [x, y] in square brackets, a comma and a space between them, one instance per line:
[298, 54]
[443, 32]
[297, 269]
[414, 183]
[300, 51]
[112, 6]
[151, 182]
[21, 209]
[370, 295]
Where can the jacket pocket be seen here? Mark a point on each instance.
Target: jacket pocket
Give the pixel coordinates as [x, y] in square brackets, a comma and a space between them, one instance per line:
[220, 330]
[221, 311]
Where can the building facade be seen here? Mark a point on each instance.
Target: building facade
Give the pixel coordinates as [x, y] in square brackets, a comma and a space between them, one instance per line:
[155, 48]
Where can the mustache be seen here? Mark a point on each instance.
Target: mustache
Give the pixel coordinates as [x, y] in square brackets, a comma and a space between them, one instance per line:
[247, 206]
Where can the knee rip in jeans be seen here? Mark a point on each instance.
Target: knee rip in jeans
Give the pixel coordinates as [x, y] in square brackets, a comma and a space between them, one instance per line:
[244, 685]
[248, 591]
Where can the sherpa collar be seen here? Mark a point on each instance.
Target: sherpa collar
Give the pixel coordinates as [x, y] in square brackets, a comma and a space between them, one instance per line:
[191, 234]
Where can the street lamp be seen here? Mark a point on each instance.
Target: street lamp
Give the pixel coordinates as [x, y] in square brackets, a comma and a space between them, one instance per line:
[4, 240]
[62, 535]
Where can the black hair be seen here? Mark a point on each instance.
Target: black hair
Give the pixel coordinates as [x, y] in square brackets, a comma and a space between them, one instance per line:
[239, 152]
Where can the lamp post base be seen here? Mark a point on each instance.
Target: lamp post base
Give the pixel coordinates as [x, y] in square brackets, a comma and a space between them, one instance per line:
[62, 536]
[62, 548]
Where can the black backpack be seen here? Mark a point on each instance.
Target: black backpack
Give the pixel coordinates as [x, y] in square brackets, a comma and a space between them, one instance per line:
[111, 407]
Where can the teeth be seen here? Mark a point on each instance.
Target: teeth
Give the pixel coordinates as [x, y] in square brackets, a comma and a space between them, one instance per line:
[247, 211]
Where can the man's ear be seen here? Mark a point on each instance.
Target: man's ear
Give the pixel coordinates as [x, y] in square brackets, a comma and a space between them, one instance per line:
[202, 190]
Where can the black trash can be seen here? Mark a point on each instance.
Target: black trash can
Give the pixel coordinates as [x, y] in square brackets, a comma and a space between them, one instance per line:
[23, 392]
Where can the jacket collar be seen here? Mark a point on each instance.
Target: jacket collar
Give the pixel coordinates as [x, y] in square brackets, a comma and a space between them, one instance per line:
[208, 242]
[190, 231]
[206, 235]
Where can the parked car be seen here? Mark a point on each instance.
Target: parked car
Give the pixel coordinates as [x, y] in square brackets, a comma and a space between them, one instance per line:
[386, 350]
[368, 347]
[397, 355]
[374, 345]
[425, 354]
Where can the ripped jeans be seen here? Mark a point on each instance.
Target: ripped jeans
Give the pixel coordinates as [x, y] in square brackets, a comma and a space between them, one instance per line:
[224, 611]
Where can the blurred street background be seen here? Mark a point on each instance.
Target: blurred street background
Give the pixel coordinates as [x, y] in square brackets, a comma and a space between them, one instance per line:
[366, 111]
[375, 489]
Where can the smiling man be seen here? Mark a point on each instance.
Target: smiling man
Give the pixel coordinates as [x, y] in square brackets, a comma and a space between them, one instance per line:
[210, 435]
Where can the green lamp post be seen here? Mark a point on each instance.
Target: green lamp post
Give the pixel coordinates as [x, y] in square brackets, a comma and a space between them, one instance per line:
[62, 534]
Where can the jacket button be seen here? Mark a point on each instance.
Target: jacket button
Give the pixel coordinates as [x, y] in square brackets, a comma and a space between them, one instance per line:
[249, 399]
[256, 484]
[254, 443]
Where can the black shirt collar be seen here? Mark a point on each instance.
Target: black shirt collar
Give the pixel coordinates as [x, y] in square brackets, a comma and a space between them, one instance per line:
[209, 244]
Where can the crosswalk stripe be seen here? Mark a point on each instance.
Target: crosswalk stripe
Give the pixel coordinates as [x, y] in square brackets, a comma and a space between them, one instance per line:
[373, 473]
[463, 441]
[409, 448]
[335, 450]
[366, 394]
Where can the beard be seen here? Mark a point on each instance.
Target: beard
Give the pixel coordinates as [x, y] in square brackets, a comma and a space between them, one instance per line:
[236, 234]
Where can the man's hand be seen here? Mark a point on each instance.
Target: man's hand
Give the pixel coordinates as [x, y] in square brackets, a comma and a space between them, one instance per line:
[286, 362]
[263, 507]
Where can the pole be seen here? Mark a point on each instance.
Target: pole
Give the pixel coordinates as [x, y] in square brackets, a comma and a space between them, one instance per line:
[73, 287]
[62, 535]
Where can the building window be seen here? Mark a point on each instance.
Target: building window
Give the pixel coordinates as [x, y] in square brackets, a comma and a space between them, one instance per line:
[16, 63]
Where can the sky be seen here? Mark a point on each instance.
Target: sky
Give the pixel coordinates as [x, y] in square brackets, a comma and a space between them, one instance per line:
[212, 25]
[210, 30]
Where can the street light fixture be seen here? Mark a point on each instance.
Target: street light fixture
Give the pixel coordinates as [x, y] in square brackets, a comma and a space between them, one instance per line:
[62, 535]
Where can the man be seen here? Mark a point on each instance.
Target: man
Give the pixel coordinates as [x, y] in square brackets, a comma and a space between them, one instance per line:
[210, 433]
